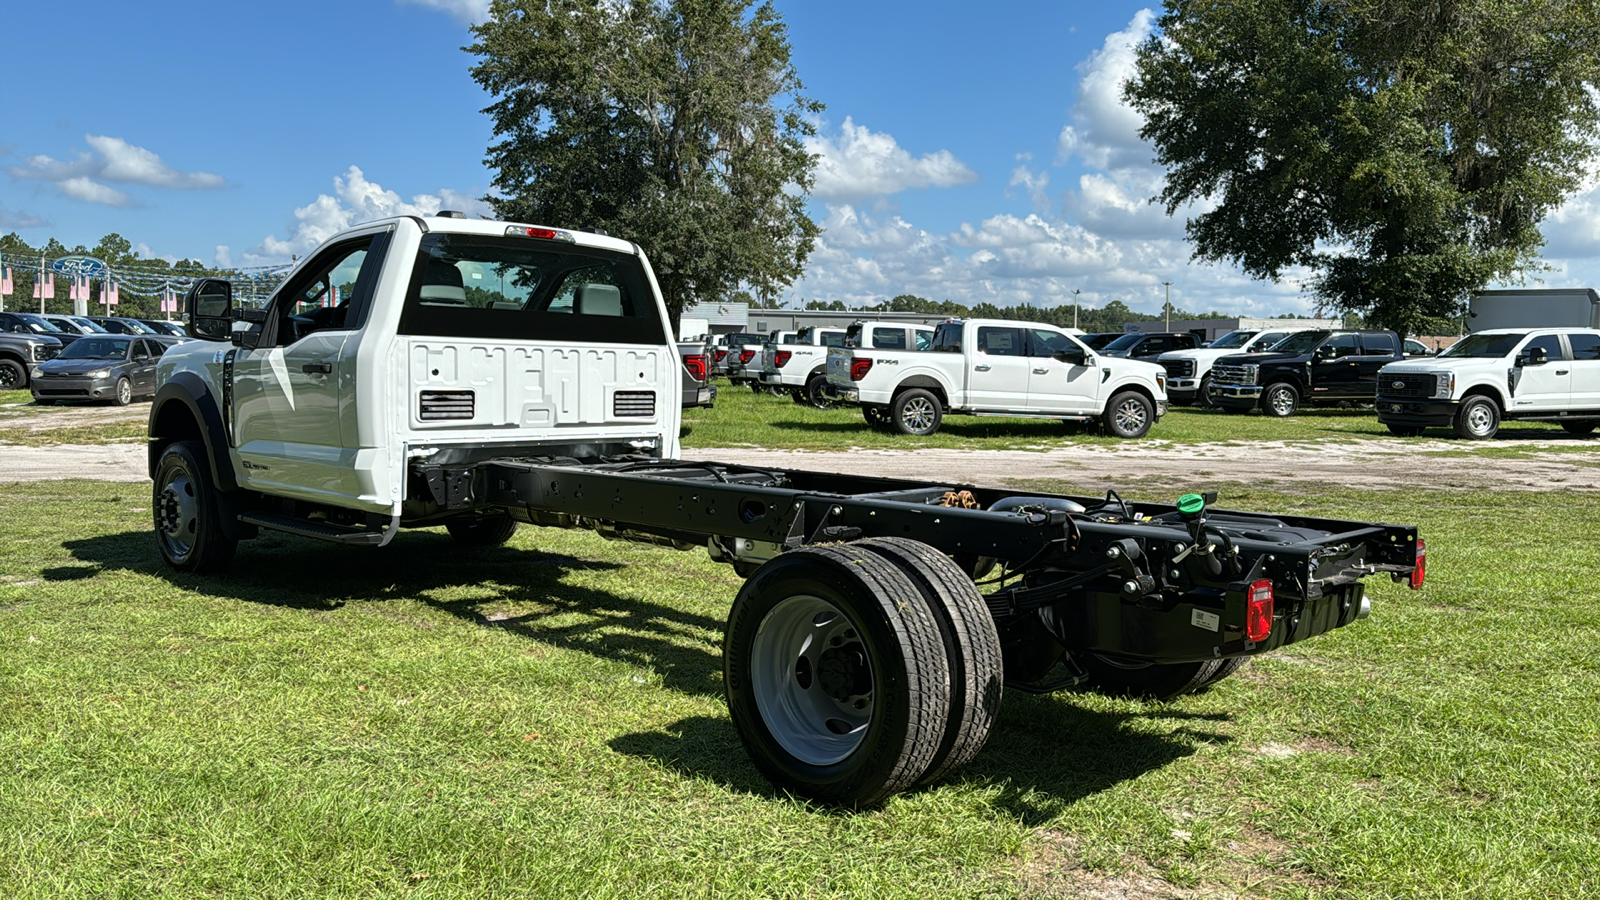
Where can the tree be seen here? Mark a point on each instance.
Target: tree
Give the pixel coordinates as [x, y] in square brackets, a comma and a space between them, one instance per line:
[657, 121]
[1405, 152]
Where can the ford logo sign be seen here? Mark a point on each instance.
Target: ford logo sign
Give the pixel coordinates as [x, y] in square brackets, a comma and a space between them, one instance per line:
[1398, 385]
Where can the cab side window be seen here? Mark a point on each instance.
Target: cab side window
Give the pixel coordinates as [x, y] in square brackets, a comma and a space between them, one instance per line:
[924, 339]
[1585, 346]
[320, 296]
[1342, 345]
[1551, 344]
[1377, 345]
[1048, 343]
[1000, 341]
[889, 338]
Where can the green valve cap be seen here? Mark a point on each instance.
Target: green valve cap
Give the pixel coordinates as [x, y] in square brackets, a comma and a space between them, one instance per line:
[1191, 504]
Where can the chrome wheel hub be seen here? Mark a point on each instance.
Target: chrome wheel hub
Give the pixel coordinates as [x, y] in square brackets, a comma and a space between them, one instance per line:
[917, 414]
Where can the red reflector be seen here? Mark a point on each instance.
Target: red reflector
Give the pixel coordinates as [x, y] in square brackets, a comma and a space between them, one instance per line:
[1420, 573]
[722, 355]
[696, 365]
[782, 359]
[1258, 611]
[859, 366]
[745, 356]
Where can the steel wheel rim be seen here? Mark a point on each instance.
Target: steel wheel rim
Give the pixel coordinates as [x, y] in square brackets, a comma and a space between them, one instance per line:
[808, 666]
[178, 515]
[917, 414]
[124, 391]
[1282, 403]
[1130, 416]
[1479, 420]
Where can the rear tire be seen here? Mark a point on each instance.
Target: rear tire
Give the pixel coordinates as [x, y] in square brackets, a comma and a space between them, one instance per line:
[1280, 401]
[1129, 415]
[1226, 668]
[835, 675]
[1159, 681]
[1406, 431]
[1477, 418]
[1579, 429]
[484, 531]
[971, 643]
[916, 412]
[188, 512]
[814, 392]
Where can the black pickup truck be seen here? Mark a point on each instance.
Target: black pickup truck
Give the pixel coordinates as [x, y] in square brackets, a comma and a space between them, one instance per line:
[1310, 368]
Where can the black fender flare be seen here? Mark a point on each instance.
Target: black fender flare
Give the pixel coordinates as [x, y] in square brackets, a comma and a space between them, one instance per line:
[193, 394]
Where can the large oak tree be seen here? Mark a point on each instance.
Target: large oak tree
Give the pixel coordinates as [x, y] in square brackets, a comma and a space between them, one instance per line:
[678, 124]
[1405, 151]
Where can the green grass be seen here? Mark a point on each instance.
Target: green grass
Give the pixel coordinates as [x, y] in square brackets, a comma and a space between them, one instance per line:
[546, 720]
[742, 418]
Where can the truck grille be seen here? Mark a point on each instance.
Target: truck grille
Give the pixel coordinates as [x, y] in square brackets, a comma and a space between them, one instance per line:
[1411, 385]
[1234, 374]
[634, 404]
[444, 405]
[1179, 368]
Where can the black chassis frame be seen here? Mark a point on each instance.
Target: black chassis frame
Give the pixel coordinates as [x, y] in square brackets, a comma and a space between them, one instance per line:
[1121, 578]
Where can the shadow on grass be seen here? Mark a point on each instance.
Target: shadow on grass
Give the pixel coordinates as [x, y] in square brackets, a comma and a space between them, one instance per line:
[1044, 754]
[515, 590]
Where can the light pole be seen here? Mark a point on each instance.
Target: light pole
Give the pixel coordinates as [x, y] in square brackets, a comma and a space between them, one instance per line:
[1075, 293]
[1169, 304]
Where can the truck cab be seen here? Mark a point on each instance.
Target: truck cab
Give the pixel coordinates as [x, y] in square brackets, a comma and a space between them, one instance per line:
[1189, 371]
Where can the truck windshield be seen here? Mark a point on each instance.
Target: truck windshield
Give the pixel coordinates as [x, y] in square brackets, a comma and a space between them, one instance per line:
[1270, 339]
[1233, 340]
[1300, 342]
[1485, 346]
[38, 324]
[517, 288]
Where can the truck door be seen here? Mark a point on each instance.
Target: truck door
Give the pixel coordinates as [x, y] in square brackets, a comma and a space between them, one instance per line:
[1546, 386]
[1056, 386]
[287, 388]
[1377, 351]
[998, 374]
[1335, 370]
[1585, 369]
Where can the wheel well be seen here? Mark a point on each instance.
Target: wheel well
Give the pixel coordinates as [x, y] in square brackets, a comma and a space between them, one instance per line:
[1484, 390]
[1137, 389]
[171, 423]
[14, 357]
[925, 383]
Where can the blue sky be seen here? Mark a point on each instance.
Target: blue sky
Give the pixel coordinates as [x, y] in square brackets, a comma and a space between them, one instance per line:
[974, 152]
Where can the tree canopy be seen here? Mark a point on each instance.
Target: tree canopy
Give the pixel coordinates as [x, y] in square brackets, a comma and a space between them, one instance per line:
[677, 124]
[1404, 151]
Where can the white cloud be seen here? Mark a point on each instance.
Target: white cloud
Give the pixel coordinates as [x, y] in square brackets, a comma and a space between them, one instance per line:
[468, 11]
[860, 163]
[81, 188]
[1035, 183]
[223, 257]
[1105, 130]
[115, 160]
[355, 200]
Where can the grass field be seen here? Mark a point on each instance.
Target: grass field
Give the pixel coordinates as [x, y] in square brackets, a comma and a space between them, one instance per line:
[743, 418]
[546, 719]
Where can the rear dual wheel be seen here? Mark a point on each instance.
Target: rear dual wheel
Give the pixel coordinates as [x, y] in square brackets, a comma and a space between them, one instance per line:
[838, 669]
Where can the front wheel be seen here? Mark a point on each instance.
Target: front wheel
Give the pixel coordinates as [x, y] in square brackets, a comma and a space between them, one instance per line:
[13, 375]
[816, 393]
[1406, 431]
[1130, 415]
[1202, 397]
[1280, 401]
[188, 512]
[1477, 418]
[124, 392]
[916, 412]
[835, 675]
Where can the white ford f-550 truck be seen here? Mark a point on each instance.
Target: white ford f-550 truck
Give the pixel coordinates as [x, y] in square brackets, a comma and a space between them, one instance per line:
[476, 375]
[998, 367]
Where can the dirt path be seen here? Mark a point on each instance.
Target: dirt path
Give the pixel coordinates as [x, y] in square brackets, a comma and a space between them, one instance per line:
[34, 419]
[1381, 465]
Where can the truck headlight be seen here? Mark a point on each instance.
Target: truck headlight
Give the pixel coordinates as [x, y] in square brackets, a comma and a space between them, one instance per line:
[1445, 385]
[1250, 372]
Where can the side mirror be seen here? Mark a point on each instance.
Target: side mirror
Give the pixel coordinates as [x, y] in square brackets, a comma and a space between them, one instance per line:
[1534, 357]
[1073, 356]
[208, 309]
[1326, 351]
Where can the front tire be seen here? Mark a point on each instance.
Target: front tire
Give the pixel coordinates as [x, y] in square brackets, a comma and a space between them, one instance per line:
[916, 412]
[483, 531]
[1202, 397]
[1477, 418]
[13, 375]
[124, 394]
[1129, 415]
[835, 675]
[187, 508]
[1579, 429]
[1280, 401]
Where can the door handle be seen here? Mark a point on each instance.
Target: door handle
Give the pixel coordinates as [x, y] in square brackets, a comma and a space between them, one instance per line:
[313, 368]
[1041, 371]
[1561, 371]
[981, 368]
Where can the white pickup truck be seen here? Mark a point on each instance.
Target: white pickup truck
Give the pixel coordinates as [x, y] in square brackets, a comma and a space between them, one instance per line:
[998, 367]
[802, 367]
[1189, 371]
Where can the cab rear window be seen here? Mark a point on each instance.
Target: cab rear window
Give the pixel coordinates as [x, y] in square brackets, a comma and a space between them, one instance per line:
[486, 286]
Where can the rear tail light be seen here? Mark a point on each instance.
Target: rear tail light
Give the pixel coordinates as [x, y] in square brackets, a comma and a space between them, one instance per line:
[1258, 611]
[859, 367]
[722, 355]
[548, 234]
[782, 358]
[696, 365]
[1420, 573]
[745, 356]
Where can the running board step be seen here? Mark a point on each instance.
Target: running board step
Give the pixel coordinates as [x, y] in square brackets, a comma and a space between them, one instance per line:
[323, 531]
[1068, 417]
